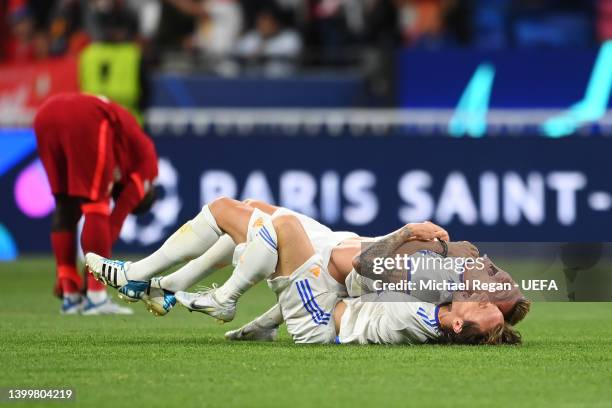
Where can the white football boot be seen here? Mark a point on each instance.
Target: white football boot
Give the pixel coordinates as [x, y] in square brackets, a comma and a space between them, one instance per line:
[252, 331]
[110, 272]
[205, 302]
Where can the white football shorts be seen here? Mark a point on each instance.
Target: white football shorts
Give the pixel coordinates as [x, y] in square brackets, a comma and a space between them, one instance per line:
[307, 299]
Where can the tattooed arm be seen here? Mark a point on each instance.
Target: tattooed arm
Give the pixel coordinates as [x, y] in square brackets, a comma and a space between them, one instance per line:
[417, 236]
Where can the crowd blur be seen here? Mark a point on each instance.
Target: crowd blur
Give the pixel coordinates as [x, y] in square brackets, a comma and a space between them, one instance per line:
[277, 36]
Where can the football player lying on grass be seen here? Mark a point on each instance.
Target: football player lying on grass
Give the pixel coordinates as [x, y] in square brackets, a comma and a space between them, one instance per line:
[360, 281]
[338, 250]
[260, 260]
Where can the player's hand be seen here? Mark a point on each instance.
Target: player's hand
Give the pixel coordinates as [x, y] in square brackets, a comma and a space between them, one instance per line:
[428, 231]
[462, 249]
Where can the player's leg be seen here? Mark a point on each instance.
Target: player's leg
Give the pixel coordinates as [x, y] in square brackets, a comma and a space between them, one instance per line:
[194, 238]
[63, 241]
[262, 328]
[95, 237]
[265, 326]
[199, 234]
[158, 293]
[191, 240]
[66, 213]
[259, 260]
[296, 246]
[218, 256]
[87, 142]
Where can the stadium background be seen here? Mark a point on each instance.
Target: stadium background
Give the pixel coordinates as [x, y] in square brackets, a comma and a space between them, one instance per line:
[364, 114]
[490, 117]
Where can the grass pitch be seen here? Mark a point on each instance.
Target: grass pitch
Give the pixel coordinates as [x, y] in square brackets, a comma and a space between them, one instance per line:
[182, 359]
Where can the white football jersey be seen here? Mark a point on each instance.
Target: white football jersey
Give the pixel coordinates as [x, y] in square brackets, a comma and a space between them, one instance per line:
[389, 318]
[428, 270]
[433, 271]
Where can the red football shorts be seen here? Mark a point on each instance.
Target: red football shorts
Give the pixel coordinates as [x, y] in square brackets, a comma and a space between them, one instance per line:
[75, 146]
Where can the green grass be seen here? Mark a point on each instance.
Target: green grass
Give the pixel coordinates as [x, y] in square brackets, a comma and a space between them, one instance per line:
[183, 360]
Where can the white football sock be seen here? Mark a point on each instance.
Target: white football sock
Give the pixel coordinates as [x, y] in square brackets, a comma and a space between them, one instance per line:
[271, 319]
[219, 255]
[256, 263]
[190, 241]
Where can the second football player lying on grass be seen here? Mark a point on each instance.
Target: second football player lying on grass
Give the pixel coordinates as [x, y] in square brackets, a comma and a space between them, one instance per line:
[306, 265]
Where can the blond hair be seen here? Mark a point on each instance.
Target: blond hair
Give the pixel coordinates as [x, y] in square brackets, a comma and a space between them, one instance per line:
[519, 311]
[471, 334]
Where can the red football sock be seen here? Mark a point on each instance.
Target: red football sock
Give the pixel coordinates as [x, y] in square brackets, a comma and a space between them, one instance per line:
[64, 248]
[96, 236]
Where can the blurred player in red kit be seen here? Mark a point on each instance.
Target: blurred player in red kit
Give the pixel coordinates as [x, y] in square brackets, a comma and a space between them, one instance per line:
[92, 150]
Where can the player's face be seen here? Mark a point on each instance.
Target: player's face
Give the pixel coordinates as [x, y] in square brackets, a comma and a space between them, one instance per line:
[479, 309]
[506, 300]
[503, 299]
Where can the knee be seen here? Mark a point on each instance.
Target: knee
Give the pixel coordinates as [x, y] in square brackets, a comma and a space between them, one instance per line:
[260, 205]
[251, 202]
[286, 225]
[222, 203]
